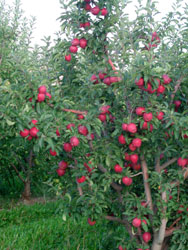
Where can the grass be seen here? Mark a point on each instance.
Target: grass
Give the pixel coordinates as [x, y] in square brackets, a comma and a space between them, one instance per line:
[41, 227]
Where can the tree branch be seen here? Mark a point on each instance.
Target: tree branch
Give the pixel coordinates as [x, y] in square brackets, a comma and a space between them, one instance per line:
[18, 173]
[178, 83]
[185, 176]
[168, 163]
[169, 232]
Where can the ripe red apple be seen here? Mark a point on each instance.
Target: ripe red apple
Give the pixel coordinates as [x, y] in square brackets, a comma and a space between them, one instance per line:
[166, 79]
[63, 165]
[134, 158]
[136, 222]
[68, 58]
[127, 157]
[24, 133]
[105, 109]
[41, 97]
[146, 237]
[182, 162]
[177, 103]
[92, 136]
[82, 130]
[147, 117]
[101, 75]
[136, 167]
[118, 168]
[83, 43]
[53, 153]
[60, 172]
[80, 117]
[140, 110]
[67, 147]
[42, 89]
[160, 89]
[107, 81]
[132, 128]
[29, 138]
[33, 131]
[160, 115]
[121, 248]
[34, 121]
[87, 7]
[143, 203]
[144, 221]
[81, 179]
[74, 141]
[94, 79]
[104, 12]
[82, 25]
[127, 181]
[90, 222]
[87, 24]
[102, 117]
[75, 42]
[57, 132]
[132, 147]
[30, 99]
[137, 142]
[125, 126]
[140, 82]
[70, 125]
[73, 49]
[49, 95]
[121, 139]
[95, 11]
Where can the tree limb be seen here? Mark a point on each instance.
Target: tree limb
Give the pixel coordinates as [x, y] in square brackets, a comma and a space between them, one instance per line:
[178, 83]
[168, 163]
[18, 173]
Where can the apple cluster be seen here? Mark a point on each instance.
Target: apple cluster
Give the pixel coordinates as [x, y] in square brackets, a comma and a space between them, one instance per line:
[63, 165]
[95, 10]
[161, 85]
[30, 133]
[42, 93]
[108, 80]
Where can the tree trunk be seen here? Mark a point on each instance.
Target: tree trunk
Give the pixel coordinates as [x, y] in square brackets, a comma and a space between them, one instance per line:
[26, 195]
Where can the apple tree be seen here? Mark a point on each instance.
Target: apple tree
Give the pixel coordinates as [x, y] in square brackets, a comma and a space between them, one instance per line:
[123, 85]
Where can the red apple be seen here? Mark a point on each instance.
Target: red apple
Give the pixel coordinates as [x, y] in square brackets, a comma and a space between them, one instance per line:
[107, 81]
[160, 115]
[63, 165]
[127, 181]
[132, 128]
[83, 43]
[137, 142]
[57, 132]
[182, 162]
[24, 133]
[94, 79]
[33, 131]
[75, 42]
[92, 136]
[136, 167]
[42, 89]
[136, 222]
[140, 82]
[53, 153]
[147, 117]
[81, 179]
[74, 141]
[146, 237]
[80, 117]
[177, 103]
[82, 130]
[134, 158]
[118, 168]
[102, 117]
[104, 12]
[125, 126]
[105, 109]
[101, 75]
[121, 139]
[95, 11]
[132, 147]
[140, 110]
[60, 172]
[87, 7]
[70, 125]
[73, 49]
[166, 79]
[29, 138]
[127, 157]
[67, 147]
[49, 95]
[87, 24]
[68, 58]
[160, 89]
[144, 221]
[41, 97]
[90, 222]
[34, 121]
